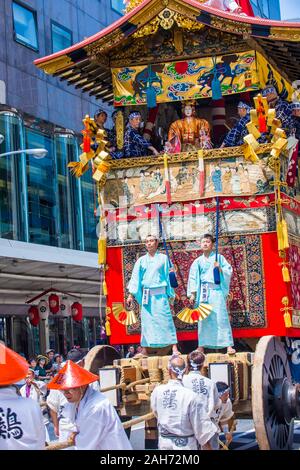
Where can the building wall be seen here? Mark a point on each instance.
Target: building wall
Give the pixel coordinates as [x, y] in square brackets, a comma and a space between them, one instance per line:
[29, 89]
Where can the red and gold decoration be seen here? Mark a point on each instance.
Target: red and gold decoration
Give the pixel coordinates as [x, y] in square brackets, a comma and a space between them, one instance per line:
[94, 151]
[33, 314]
[190, 79]
[193, 315]
[77, 311]
[123, 316]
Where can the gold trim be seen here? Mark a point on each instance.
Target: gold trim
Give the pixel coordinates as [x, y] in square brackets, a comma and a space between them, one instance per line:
[107, 42]
[231, 26]
[287, 34]
[212, 154]
[55, 65]
[182, 21]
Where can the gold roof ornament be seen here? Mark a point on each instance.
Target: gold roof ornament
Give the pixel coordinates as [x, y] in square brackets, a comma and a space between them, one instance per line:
[131, 4]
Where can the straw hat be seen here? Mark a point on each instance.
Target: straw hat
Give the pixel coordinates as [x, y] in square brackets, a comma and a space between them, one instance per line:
[13, 367]
[71, 376]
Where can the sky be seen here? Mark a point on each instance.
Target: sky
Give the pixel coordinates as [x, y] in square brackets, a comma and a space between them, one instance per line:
[290, 9]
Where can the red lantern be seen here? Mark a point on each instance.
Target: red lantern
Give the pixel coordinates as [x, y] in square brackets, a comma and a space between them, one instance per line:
[33, 314]
[181, 67]
[53, 303]
[76, 311]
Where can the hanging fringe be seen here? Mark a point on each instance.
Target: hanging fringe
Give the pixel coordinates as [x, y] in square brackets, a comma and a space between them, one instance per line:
[104, 287]
[102, 251]
[285, 274]
[107, 326]
[287, 320]
[78, 168]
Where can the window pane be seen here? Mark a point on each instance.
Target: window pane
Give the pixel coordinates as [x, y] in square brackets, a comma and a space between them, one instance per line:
[61, 37]
[42, 190]
[25, 26]
[89, 202]
[66, 151]
[11, 215]
[118, 5]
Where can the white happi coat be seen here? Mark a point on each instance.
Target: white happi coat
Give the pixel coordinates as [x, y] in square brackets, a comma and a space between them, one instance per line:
[34, 394]
[57, 402]
[183, 423]
[222, 413]
[21, 422]
[205, 388]
[97, 423]
[38, 396]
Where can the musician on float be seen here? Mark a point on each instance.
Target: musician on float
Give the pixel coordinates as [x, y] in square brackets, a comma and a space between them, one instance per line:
[236, 135]
[215, 330]
[150, 285]
[134, 144]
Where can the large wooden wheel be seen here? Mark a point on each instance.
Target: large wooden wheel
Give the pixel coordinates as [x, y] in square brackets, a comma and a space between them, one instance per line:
[100, 356]
[275, 401]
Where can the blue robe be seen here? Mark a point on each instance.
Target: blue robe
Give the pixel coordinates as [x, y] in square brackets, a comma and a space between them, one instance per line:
[151, 272]
[215, 330]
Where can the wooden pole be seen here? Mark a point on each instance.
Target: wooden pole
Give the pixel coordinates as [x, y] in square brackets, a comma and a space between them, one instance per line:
[140, 419]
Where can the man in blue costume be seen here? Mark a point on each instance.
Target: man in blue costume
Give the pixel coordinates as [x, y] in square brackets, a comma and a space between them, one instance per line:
[214, 331]
[150, 285]
[134, 144]
[236, 135]
[282, 107]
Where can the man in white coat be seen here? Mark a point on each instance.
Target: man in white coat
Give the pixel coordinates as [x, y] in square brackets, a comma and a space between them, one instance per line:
[203, 386]
[37, 390]
[94, 419]
[182, 421]
[21, 420]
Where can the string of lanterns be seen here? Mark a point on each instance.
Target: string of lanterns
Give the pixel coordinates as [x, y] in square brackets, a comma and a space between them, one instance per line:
[62, 306]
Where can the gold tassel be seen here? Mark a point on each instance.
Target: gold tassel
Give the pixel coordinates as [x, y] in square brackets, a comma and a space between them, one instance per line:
[285, 234]
[107, 326]
[285, 274]
[102, 251]
[280, 236]
[104, 288]
[287, 320]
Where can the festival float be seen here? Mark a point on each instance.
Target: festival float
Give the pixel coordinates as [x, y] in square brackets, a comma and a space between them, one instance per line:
[160, 57]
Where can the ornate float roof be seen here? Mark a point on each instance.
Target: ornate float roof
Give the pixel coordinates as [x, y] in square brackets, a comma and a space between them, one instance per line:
[87, 64]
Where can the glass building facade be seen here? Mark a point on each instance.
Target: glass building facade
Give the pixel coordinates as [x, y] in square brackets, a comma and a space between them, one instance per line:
[40, 201]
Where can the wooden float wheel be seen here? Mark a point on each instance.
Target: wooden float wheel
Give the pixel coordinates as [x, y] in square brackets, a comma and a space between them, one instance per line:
[271, 381]
[100, 356]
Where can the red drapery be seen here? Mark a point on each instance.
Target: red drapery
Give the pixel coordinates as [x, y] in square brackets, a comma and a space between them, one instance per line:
[246, 6]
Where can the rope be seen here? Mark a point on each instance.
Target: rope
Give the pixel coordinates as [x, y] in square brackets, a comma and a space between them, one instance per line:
[236, 383]
[155, 373]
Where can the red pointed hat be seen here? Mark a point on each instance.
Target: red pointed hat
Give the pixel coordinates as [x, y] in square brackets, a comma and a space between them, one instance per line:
[13, 367]
[71, 376]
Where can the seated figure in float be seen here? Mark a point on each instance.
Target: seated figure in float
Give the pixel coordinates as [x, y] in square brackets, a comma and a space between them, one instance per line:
[225, 5]
[189, 133]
